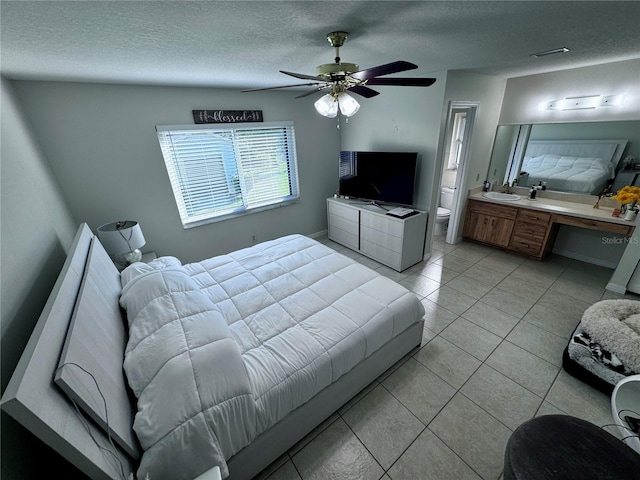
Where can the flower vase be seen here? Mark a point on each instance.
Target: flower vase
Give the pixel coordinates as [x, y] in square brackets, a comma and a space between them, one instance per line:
[630, 214]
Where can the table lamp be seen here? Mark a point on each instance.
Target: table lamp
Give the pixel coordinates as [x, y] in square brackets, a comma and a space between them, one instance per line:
[122, 241]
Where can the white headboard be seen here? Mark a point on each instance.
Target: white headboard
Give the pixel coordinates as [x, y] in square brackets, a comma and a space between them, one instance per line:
[610, 150]
[36, 402]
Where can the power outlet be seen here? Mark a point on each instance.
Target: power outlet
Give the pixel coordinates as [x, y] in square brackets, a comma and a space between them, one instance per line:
[253, 238]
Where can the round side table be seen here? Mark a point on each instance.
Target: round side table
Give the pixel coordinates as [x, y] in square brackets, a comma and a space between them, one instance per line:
[560, 447]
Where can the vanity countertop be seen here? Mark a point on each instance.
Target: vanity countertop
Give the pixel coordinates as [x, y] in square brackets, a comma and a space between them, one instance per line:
[562, 207]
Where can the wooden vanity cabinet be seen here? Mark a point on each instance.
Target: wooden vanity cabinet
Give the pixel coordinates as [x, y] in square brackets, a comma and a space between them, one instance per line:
[489, 223]
[516, 229]
[523, 230]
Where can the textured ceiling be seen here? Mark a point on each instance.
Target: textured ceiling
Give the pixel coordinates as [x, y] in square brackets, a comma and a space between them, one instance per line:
[245, 43]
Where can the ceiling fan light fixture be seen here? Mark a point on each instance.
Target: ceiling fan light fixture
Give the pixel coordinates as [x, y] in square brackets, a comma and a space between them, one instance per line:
[327, 106]
[348, 105]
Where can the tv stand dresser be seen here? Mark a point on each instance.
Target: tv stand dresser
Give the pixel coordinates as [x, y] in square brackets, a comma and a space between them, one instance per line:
[395, 242]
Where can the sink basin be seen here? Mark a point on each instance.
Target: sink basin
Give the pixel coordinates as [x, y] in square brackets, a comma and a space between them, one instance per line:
[501, 196]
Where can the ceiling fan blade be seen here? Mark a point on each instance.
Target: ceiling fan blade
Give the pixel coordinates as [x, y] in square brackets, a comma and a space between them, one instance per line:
[311, 92]
[406, 82]
[303, 76]
[366, 92]
[386, 69]
[282, 86]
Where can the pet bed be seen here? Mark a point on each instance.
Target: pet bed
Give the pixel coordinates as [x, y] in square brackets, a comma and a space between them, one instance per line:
[605, 346]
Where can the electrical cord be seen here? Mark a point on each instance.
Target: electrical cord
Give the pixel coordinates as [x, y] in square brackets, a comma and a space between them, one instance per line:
[113, 451]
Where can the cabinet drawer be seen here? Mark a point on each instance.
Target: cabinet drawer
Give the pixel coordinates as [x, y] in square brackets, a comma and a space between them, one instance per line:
[525, 245]
[493, 209]
[533, 216]
[530, 231]
[594, 224]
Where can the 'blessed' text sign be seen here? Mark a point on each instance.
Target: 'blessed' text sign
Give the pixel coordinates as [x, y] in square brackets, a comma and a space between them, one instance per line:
[227, 116]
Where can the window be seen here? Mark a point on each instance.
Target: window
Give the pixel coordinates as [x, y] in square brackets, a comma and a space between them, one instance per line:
[457, 137]
[222, 171]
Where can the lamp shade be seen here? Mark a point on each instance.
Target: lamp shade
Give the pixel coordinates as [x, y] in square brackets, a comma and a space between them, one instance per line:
[121, 237]
[327, 106]
[348, 105]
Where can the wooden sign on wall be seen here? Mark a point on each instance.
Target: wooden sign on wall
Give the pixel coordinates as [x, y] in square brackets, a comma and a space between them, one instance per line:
[227, 116]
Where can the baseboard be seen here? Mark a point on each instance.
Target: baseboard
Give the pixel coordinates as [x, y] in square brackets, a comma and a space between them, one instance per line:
[585, 258]
[614, 287]
[321, 233]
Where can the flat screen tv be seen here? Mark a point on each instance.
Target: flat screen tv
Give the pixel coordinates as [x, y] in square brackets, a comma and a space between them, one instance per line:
[378, 176]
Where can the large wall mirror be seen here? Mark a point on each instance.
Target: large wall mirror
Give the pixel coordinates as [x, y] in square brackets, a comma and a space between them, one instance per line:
[568, 157]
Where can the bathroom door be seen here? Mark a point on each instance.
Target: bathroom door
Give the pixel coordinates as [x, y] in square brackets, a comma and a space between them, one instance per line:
[454, 230]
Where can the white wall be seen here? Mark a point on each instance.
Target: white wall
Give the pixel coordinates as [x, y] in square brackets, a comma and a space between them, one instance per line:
[524, 95]
[522, 98]
[102, 146]
[37, 229]
[404, 119]
[414, 119]
[487, 91]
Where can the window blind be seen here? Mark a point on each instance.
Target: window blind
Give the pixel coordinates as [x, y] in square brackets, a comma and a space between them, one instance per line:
[220, 171]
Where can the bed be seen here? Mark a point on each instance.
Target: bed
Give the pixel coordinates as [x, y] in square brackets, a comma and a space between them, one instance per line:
[576, 166]
[276, 337]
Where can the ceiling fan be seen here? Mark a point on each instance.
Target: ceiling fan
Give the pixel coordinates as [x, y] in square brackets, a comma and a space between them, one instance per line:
[337, 78]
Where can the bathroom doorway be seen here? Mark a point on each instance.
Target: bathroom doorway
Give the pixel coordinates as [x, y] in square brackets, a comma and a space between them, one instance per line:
[460, 122]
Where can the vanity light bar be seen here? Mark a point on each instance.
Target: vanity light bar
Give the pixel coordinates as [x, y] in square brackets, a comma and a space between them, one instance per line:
[550, 52]
[583, 103]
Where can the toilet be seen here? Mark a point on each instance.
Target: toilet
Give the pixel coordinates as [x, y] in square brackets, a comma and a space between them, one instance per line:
[444, 210]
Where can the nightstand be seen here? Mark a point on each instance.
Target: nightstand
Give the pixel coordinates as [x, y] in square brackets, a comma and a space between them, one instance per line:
[147, 257]
[624, 178]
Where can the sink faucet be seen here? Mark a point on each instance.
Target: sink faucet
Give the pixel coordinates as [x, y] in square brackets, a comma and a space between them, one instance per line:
[508, 187]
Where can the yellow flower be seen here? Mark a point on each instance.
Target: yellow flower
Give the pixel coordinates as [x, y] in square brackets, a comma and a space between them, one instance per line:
[627, 194]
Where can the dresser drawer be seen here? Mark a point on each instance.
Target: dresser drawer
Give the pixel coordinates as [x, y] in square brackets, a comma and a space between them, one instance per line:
[344, 237]
[343, 223]
[343, 211]
[383, 255]
[384, 240]
[385, 224]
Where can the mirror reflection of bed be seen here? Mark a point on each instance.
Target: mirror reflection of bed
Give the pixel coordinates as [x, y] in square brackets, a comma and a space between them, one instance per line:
[574, 166]
[570, 157]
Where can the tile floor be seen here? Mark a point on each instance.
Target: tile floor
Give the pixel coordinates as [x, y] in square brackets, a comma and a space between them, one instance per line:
[495, 328]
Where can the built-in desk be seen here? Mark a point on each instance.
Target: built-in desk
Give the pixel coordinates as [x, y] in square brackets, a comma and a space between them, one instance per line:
[529, 227]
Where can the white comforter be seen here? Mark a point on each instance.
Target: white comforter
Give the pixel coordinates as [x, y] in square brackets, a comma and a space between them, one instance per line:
[221, 350]
[569, 174]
